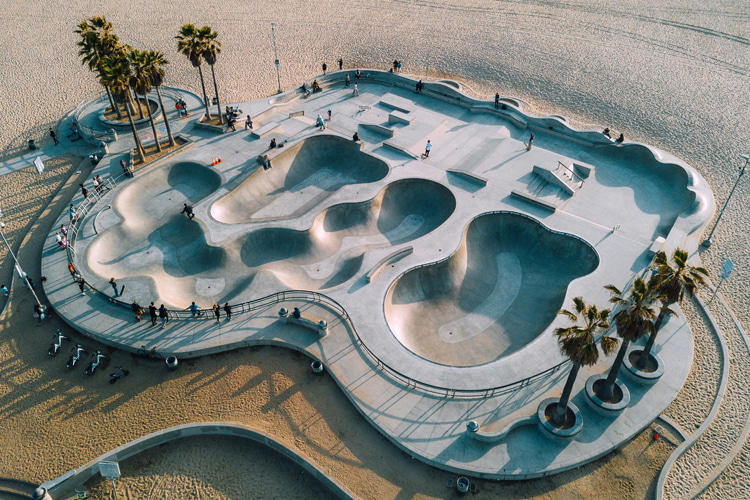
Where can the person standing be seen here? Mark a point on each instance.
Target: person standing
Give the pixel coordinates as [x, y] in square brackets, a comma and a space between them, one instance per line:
[152, 313]
[72, 212]
[113, 284]
[346, 81]
[427, 149]
[84, 191]
[357, 75]
[399, 66]
[329, 114]
[228, 311]
[497, 101]
[249, 123]
[137, 310]
[356, 90]
[395, 65]
[531, 139]
[194, 309]
[320, 123]
[325, 67]
[54, 136]
[217, 312]
[341, 64]
[59, 239]
[5, 290]
[163, 316]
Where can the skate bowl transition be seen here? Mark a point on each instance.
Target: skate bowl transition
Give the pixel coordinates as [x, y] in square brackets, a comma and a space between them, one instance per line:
[493, 296]
[301, 177]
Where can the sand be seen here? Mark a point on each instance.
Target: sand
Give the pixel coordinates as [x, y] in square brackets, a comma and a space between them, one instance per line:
[673, 74]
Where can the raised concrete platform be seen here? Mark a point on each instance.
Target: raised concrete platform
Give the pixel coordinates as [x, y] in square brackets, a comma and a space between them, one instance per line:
[457, 330]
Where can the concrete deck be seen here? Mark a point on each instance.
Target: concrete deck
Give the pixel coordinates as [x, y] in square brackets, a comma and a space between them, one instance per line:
[459, 328]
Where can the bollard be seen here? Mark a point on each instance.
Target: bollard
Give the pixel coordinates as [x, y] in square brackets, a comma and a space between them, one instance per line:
[322, 328]
[104, 147]
[41, 494]
[112, 133]
[284, 314]
[472, 426]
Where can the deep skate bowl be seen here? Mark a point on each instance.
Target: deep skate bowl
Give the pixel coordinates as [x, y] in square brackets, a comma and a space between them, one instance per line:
[300, 178]
[181, 264]
[498, 292]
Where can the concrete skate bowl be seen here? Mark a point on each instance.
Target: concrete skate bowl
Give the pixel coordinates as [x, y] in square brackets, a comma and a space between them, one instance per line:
[499, 291]
[331, 252]
[302, 176]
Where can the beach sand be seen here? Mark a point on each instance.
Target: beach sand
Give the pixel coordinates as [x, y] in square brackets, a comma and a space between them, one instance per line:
[672, 74]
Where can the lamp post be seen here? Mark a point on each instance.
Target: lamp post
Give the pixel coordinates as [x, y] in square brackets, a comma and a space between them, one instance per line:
[707, 242]
[18, 266]
[276, 56]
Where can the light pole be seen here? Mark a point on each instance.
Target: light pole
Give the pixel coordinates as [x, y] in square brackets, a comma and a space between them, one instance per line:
[276, 56]
[707, 242]
[18, 266]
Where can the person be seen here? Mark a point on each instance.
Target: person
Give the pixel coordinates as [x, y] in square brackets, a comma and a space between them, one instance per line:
[59, 239]
[177, 107]
[267, 163]
[341, 64]
[113, 284]
[606, 132]
[427, 148]
[188, 210]
[74, 134]
[137, 310]
[125, 169]
[84, 191]
[152, 313]
[72, 270]
[346, 81]
[54, 136]
[230, 122]
[325, 67]
[97, 188]
[39, 313]
[329, 114]
[316, 87]
[183, 107]
[356, 90]
[249, 123]
[531, 139]
[296, 313]
[418, 87]
[305, 90]
[620, 139]
[355, 138]
[194, 309]
[395, 65]
[273, 143]
[399, 67]
[63, 230]
[64, 242]
[497, 100]
[72, 212]
[217, 312]
[81, 282]
[5, 290]
[31, 283]
[357, 75]
[163, 316]
[320, 123]
[228, 310]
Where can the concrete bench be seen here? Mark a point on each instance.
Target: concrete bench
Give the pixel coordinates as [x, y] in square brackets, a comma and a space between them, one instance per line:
[380, 129]
[504, 426]
[468, 176]
[398, 103]
[533, 199]
[264, 130]
[400, 117]
[315, 324]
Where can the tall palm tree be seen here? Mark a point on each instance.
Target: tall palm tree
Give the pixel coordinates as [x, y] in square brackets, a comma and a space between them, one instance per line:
[97, 43]
[211, 50]
[673, 282]
[634, 318]
[141, 82]
[579, 344]
[190, 44]
[116, 74]
[155, 62]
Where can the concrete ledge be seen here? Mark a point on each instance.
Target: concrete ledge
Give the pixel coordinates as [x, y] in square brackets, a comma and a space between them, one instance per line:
[264, 130]
[379, 129]
[397, 103]
[66, 483]
[400, 149]
[398, 254]
[318, 325]
[530, 418]
[468, 176]
[400, 117]
[207, 126]
[533, 199]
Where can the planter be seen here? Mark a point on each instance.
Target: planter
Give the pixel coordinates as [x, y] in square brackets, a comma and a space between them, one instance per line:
[172, 362]
[563, 434]
[604, 408]
[651, 374]
[317, 367]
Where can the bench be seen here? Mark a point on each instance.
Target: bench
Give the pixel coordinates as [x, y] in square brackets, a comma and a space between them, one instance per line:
[264, 130]
[320, 326]
[399, 117]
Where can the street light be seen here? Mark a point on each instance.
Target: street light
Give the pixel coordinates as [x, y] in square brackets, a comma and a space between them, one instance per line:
[276, 56]
[707, 242]
[18, 266]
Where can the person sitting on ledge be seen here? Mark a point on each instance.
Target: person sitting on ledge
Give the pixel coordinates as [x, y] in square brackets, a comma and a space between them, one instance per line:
[137, 310]
[305, 90]
[418, 87]
[273, 144]
[606, 132]
[296, 313]
[355, 138]
[315, 86]
[620, 139]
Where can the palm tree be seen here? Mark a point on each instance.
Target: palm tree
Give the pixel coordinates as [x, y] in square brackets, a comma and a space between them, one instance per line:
[191, 45]
[579, 344]
[116, 74]
[97, 43]
[633, 319]
[211, 50]
[673, 281]
[141, 82]
[154, 63]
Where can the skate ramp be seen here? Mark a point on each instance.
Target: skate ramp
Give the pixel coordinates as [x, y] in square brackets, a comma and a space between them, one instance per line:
[300, 178]
[497, 293]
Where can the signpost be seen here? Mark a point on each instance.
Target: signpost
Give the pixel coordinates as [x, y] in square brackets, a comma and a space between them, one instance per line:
[110, 471]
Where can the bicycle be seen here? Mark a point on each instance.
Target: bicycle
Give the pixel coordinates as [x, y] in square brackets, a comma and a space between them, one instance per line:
[152, 354]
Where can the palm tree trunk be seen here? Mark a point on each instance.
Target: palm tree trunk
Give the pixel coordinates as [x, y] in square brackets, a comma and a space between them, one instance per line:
[153, 127]
[205, 97]
[138, 101]
[558, 418]
[166, 121]
[218, 103]
[138, 145]
[115, 107]
[641, 363]
[609, 384]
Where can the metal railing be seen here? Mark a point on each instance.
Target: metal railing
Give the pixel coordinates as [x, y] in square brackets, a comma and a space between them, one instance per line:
[288, 295]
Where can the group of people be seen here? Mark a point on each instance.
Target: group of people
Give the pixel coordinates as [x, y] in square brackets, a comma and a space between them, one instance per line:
[181, 107]
[62, 239]
[195, 310]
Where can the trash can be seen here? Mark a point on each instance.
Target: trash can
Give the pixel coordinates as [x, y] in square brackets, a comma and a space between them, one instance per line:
[317, 367]
[214, 101]
[172, 362]
[32, 144]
